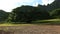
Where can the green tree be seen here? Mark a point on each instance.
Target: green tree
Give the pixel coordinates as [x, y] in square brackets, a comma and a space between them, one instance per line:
[55, 13]
[28, 14]
[22, 14]
[3, 15]
[44, 14]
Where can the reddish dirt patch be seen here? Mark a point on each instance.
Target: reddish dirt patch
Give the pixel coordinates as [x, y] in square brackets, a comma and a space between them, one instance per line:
[33, 29]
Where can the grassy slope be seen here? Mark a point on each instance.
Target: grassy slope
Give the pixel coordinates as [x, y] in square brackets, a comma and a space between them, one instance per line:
[15, 24]
[50, 21]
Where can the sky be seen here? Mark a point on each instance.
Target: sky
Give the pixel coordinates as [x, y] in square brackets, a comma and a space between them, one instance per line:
[8, 5]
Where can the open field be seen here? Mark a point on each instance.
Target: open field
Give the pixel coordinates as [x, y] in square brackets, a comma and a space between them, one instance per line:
[30, 29]
[42, 27]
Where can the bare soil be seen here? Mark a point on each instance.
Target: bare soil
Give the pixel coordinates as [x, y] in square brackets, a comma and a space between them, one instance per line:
[30, 29]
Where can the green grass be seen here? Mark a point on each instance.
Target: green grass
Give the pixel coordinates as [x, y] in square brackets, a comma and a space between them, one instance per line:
[49, 21]
[14, 24]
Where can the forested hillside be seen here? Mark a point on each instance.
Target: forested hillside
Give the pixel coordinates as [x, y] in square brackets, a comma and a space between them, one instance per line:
[54, 5]
[26, 13]
[3, 15]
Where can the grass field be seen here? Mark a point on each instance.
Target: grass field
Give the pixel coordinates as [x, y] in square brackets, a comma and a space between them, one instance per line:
[41, 22]
[49, 21]
[8, 28]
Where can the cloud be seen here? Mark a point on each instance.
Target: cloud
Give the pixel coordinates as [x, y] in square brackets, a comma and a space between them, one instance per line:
[46, 2]
[50, 1]
[8, 5]
[28, 2]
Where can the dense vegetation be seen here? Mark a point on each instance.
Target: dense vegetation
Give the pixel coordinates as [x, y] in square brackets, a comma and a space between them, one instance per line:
[3, 16]
[27, 13]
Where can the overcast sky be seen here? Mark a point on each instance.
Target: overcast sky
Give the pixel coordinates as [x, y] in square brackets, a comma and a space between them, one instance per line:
[8, 5]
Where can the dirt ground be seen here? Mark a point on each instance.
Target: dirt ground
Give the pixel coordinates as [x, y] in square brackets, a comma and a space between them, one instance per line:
[31, 29]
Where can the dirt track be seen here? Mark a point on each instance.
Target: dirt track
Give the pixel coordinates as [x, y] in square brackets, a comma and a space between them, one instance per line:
[31, 29]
